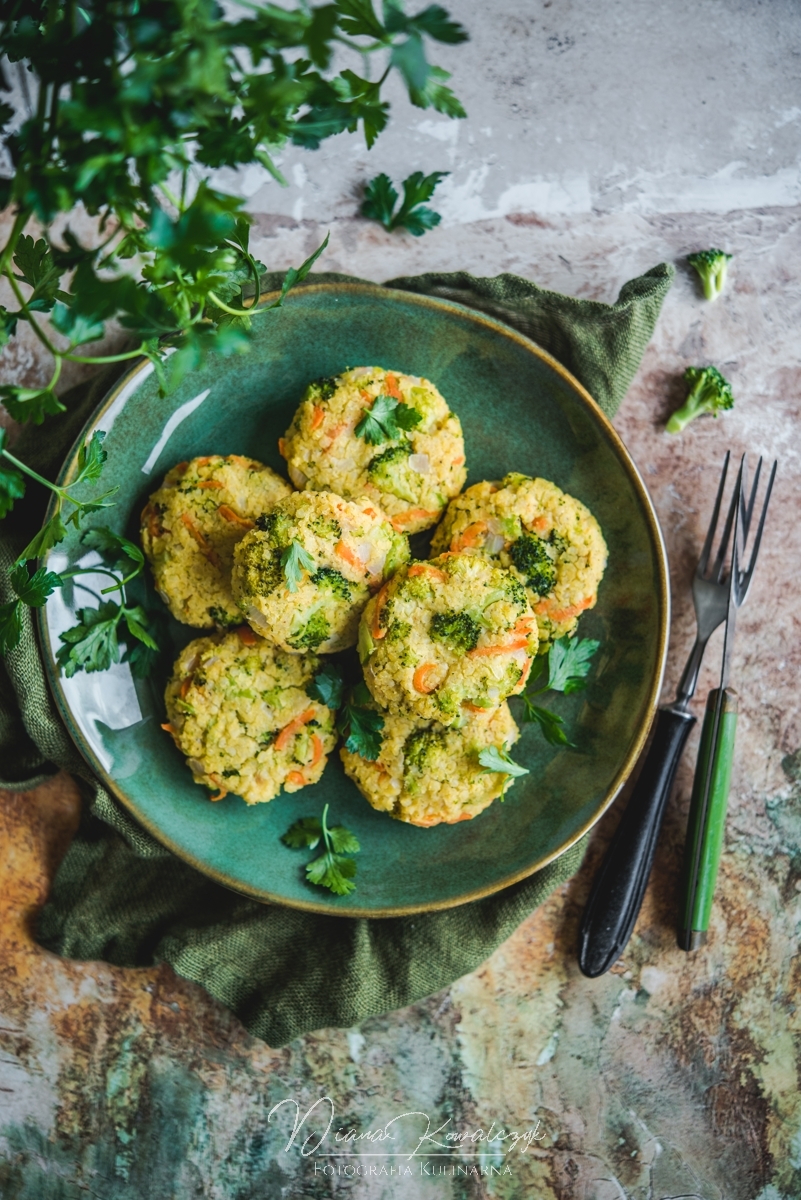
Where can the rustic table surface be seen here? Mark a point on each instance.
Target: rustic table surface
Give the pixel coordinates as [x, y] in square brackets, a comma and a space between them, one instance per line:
[674, 1075]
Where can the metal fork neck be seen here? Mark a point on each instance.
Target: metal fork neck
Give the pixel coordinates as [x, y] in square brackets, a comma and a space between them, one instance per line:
[689, 679]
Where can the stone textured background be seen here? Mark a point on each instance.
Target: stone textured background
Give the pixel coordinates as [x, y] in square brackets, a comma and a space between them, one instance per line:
[600, 140]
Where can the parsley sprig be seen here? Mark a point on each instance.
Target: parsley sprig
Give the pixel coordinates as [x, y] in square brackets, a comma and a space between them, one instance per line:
[387, 420]
[569, 662]
[499, 761]
[380, 198]
[333, 869]
[294, 561]
[327, 686]
[360, 725]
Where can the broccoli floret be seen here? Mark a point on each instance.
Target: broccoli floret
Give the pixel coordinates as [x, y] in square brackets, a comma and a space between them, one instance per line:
[458, 629]
[331, 581]
[310, 635]
[222, 619]
[390, 471]
[326, 527]
[531, 558]
[419, 748]
[277, 527]
[324, 387]
[262, 569]
[709, 393]
[711, 266]
[398, 631]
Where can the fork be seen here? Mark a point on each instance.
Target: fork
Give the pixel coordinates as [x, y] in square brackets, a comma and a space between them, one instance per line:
[619, 887]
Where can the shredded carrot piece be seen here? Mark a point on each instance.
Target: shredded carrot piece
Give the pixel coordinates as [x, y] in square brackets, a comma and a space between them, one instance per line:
[344, 551]
[150, 517]
[185, 686]
[246, 635]
[240, 458]
[168, 727]
[297, 778]
[520, 643]
[473, 707]
[410, 516]
[317, 750]
[468, 538]
[209, 552]
[375, 629]
[219, 795]
[211, 483]
[181, 467]
[457, 462]
[541, 524]
[369, 512]
[521, 683]
[366, 397]
[282, 447]
[228, 514]
[525, 625]
[288, 732]
[419, 678]
[545, 609]
[318, 416]
[426, 569]
[202, 462]
[391, 387]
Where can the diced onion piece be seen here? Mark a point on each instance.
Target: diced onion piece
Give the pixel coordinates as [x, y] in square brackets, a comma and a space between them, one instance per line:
[209, 661]
[255, 617]
[495, 543]
[298, 478]
[493, 693]
[420, 463]
[195, 766]
[363, 551]
[376, 564]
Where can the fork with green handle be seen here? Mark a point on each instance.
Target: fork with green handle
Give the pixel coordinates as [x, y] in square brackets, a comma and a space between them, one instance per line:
[710, 793]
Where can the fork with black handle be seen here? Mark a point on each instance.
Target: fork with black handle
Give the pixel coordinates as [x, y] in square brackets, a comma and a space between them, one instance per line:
[619, 886]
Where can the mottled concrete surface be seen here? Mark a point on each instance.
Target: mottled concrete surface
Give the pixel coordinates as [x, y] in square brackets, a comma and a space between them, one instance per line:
[600, 140]
[673, 1075]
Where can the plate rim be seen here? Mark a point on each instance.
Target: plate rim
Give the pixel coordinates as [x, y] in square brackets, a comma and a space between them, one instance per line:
[380, 292]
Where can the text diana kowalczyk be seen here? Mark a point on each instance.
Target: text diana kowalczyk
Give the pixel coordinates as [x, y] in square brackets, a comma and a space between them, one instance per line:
[408, 1135]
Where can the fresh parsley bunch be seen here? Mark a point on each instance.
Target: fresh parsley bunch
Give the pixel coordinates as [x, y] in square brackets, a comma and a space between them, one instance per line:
[131, 103]
[380, 199]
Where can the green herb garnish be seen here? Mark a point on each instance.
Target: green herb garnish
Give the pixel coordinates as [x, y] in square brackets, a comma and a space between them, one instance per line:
[386, 420]
[332, 869]
[294, 561]
[327, 686]
[361, 726]
[380, 198]
[499, 761]
[569, 663]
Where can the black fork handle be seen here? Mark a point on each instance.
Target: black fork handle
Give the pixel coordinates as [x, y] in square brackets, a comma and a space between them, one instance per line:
[619, 886]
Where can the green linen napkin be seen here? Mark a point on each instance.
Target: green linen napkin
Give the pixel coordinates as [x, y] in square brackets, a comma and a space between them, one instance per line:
[121, 896]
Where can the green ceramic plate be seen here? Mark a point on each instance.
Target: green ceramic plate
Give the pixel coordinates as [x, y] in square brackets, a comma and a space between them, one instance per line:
[521, 411]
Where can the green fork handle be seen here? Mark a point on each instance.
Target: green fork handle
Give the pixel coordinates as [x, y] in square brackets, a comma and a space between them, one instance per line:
[705, 830]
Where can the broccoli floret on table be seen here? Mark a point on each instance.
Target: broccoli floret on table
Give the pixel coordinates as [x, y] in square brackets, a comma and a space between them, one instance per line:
[532, 559]
[458, 630]
[711, 266]
[709, 393]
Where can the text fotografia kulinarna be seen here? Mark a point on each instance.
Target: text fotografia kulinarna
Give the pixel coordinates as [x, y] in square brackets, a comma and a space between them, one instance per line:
[408, 1135]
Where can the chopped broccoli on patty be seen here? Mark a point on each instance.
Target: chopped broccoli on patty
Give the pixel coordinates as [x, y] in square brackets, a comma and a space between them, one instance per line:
[531, 558]
[420, 746]
[458, 630]
[277, 527]
[310, 635]
[332, 581]
[323, 387]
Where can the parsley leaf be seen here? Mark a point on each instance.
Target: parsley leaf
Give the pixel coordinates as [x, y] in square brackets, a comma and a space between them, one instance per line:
[380, 198]
[549, 723]
[361, 728]
[34, 261]
[327, 686]
[569, 662]
[387, 420]
[30, 404]
[33, 590]
[499, 760]
[332, 869]
[53, 532]
[294, 561]
[121, 554]
[92, 644]
[10, 626]
[305, 832]
[91, 458]
[12, 486]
